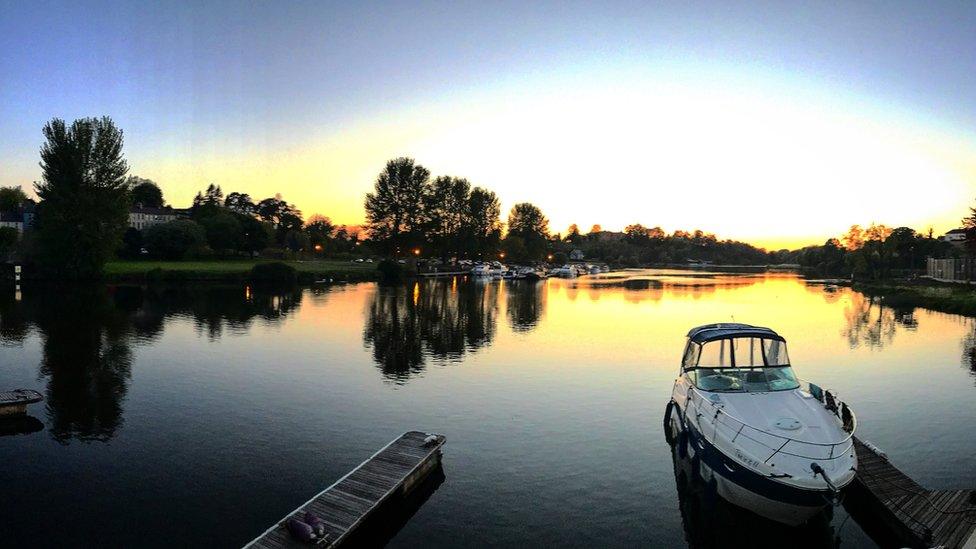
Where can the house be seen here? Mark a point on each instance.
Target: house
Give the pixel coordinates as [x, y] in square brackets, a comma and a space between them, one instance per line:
[955, 235]
[141, 218]
[14, 220]
[21, 218]
[576, 255]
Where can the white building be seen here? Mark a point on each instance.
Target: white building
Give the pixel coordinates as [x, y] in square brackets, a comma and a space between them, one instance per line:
[142, 218]
[955, 235]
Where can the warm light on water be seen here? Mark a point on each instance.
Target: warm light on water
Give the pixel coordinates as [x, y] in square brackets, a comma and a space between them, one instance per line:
[201, 415]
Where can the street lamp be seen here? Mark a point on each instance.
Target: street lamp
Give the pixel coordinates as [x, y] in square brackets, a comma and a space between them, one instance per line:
[501, 255]
[416, 251]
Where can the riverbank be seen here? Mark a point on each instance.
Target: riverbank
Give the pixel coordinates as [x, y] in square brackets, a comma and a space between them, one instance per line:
[234, 270]
[938, 296]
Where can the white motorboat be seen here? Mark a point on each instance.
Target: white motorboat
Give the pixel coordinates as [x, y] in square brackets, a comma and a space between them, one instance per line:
[788, 445]
[481, 270]
[566, 271]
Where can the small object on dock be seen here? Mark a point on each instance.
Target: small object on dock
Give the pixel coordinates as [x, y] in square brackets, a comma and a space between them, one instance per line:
[14, 403]
[916, 516]
[334, 514]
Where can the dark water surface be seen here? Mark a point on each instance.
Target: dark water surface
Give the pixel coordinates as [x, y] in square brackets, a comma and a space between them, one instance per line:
[199, 416]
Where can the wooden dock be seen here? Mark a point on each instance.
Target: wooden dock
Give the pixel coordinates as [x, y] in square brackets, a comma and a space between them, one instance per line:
[391, 473]
[14, 403]
[913, 515]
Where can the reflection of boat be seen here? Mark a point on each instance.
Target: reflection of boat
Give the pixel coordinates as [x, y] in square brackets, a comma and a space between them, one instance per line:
[14, 403]
[788, 444]
[19, 425]
[718, 513]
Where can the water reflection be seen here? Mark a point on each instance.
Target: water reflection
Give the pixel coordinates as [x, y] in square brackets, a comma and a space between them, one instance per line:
[87, 334]
[442, 319]
[871, 323]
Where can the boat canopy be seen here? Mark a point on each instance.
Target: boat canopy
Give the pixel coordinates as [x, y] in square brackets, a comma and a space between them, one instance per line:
[711, 332]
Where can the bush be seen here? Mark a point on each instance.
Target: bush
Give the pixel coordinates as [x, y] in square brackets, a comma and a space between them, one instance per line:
[175, 240]
[390, 271]
[274, 272]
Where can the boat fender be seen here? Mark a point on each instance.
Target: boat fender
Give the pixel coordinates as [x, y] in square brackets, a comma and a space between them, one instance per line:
[817, 392]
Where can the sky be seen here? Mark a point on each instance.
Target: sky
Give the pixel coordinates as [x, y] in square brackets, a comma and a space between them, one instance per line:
[776, 123]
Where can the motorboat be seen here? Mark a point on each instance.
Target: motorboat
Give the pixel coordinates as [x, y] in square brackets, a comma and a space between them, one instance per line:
[566, 271]
[778, 446]
[481, 270]
[594, 269]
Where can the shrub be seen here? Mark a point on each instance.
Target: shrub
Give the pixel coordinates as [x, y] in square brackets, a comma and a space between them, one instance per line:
[175, 240]
[390, 271]
[274, 272]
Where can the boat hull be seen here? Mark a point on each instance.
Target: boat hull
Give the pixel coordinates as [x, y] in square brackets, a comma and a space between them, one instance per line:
[762, 495]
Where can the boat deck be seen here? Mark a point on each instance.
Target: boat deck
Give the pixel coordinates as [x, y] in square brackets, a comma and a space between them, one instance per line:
[395, 470]
[917, 516]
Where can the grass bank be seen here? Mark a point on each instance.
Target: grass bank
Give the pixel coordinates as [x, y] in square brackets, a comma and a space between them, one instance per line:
[233, 270]
[938, 296]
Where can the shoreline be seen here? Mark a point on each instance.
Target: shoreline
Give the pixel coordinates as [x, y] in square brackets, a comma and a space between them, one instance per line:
[929, 294]
[235, 270]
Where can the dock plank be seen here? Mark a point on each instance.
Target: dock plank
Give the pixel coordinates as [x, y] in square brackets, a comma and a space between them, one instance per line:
[394, 469]
[920, 517]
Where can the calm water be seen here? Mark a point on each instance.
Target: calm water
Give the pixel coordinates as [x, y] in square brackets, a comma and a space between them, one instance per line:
[200, 416]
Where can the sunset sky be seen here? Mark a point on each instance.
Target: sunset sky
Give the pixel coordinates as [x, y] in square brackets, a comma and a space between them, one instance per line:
[776, 123]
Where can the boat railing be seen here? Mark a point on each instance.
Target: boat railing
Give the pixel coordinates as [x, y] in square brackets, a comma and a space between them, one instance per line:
[781, 444]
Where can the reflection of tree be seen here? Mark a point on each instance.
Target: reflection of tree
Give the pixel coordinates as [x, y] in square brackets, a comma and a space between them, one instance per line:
[525, 304]
[969, 351]
[441, 318]
[88, 331]
[86, 358]
[871, 323]
[13, 322]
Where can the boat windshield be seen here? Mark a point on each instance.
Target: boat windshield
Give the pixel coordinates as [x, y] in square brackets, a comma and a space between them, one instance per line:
[740, 365]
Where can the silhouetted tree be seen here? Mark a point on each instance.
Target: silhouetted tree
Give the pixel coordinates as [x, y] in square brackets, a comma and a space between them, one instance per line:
[11, 198]
[144, 192]
[527, 223]
[240, 203]
[84, 205]
[395, 207]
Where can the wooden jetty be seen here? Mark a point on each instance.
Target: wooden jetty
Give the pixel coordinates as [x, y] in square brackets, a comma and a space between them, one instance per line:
[915, 516]
[14, 403]
[392, 472]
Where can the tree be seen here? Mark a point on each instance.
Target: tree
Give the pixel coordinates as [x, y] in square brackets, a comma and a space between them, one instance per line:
[144, 192]
[175, 240]
[573, 234]
[257, 235]
[854, 239]
[444, 205]
[84, 205]
[8, 239]
[280, 214]
[11, 198]
[395, 207]
[240, 203]
[319, 230]
[223, 230]
[131, 243]
[207, 202]
[482, 231]
[527, 222]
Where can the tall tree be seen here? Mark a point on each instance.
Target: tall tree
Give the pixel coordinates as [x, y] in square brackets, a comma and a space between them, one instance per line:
[394, 210]
[240, 203]
[84, 205]
[145, 192]
[526, 222]
[11, 198]
[444, 205]
[280, 214]
[482, 224]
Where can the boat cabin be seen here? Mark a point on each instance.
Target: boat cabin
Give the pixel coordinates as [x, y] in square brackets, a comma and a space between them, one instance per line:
[737, 358]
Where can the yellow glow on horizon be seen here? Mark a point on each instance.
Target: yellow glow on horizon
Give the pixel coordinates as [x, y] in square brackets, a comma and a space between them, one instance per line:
[746, 164]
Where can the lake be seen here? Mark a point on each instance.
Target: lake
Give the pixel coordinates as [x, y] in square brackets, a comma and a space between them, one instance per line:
[200, 415]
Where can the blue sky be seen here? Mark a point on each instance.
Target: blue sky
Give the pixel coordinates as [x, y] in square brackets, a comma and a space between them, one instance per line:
[203, 90]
